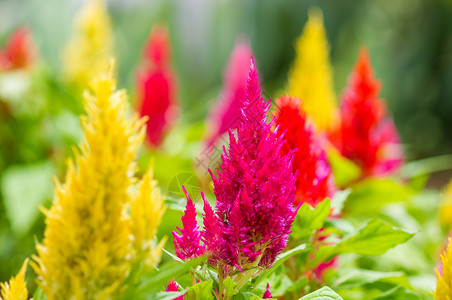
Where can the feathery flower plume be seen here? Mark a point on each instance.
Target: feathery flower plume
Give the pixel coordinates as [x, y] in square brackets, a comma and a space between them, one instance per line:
[156, 87]
[20, 51]
[16, 288]
[89, 51]
[226, 114]
[267, 293]
[146, 212]
[314, 177]
[254, 190]
[444, 282]
[86, 248]
[365, 134]
[173, 287]
[311, 75]
[187, 244]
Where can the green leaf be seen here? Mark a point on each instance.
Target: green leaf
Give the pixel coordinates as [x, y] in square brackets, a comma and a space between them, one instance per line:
[309, 219]
[202, 290]
[337, 203]
[375, 238]
[229, 287]
[154, 281]
[344, 170]
[360, 277]
[368, 196]
[24, 189]
[281, 258]
[398, 293]
[246, 296]
[324, 293]
[39, 294]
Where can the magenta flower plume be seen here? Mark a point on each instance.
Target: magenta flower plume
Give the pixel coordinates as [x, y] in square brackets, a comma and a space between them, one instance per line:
[187, 244]
[314, 176]
[226, 114]
[173, 287]
[254, 190]
[267, 293]
[156, 87]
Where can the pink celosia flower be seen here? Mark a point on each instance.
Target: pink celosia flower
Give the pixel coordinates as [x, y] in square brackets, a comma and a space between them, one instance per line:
[226, 114]
[156, 87]
[20, 51]
[187, 244]
[314, 176]
[320, 270]
[254, 190]
[173, 287]
[365, 134]
[267, 293]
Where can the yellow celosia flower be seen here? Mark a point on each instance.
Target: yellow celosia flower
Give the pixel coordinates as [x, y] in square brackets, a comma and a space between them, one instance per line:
[146, 212]
[445, 211]
[87, 249]
[310, 77]
[16, 288]
[444, 283]
[89, 50]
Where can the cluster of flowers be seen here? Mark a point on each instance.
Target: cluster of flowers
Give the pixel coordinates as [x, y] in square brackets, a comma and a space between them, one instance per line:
[97, 229]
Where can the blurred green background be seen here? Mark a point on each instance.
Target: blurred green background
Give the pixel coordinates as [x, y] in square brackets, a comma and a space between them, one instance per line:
[410, 44]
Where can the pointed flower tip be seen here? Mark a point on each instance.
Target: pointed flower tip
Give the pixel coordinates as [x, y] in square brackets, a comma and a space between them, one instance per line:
[158, 48]
[267, 293]
[315, 14]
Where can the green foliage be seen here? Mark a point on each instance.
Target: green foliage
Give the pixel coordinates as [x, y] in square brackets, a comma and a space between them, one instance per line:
[324, 293]
[24, 189]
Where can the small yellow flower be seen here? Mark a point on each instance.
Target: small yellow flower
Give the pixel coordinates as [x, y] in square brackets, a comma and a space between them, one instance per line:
[146, 212]
[88, 52]
[311, 75]
[445, 211]
[444, 283]
[87, 249]
[16, 288]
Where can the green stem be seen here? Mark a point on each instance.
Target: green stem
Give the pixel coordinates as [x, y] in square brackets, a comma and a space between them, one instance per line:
[193, 279]
[220, 282]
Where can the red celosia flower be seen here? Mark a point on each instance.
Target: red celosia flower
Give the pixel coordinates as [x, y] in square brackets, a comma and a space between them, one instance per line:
[254, 190]
[187, 244]
[314, 178]
[227, 112]
[20, 51]
[173, 287]
[365, 135]
[157, 87]
[267, 293]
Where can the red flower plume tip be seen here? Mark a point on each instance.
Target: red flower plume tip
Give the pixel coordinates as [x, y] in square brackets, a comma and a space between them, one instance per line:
[314, 177]
[365, 134]
[158, 50]
[174, 287]
[157, 88]
[20, 51]
[267, 293]
[187, 244]
[255, 188]
[226, 114]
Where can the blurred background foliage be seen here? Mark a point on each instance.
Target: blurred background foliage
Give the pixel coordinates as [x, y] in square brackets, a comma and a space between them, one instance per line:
[410, 44]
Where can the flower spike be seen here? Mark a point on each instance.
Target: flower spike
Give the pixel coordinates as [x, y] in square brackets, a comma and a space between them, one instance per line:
[187, 244]
[255, 188]
[311, 75]
[314, 176]
[365, 134]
